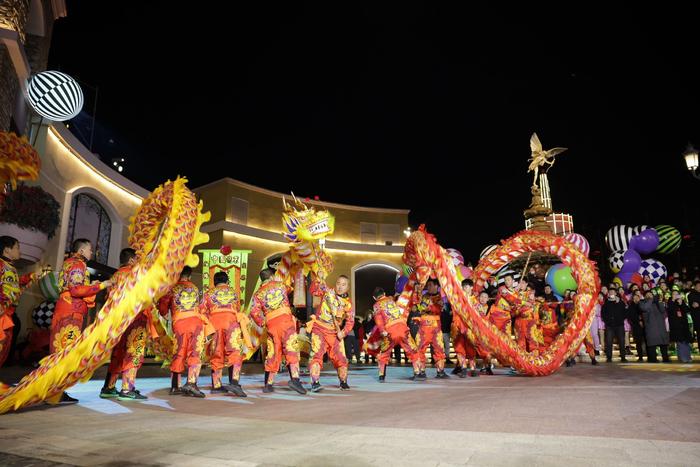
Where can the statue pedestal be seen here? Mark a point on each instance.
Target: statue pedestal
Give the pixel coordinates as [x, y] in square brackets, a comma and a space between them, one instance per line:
[537, 212]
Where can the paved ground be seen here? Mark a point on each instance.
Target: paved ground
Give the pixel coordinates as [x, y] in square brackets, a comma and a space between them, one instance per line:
[612, 414]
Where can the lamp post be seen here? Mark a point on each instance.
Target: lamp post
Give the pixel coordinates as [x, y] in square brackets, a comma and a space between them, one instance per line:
[691, 160]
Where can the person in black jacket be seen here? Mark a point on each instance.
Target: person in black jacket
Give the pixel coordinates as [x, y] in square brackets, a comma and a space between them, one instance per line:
[614, 313]
[694, 304]
[634, 316]
[678, 326]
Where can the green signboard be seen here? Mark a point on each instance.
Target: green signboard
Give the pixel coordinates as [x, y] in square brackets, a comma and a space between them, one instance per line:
[234, 263]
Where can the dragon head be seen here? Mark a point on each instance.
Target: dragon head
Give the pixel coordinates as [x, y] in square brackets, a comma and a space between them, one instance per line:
[305, 224]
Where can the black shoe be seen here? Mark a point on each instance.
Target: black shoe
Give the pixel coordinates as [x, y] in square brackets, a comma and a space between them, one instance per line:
[219, 390]
[107, 393]
[421, 376]
[175, 391]
[594, 361]
[268, 388]
[295, 384]
[382, 378]
[192, 390]
[489, 371]
[623, 360]
[608, 360]
[640, 359]
[344, 386]
[66, 399]
[568, 363]
[442, 375]
[473, 373]
[462, 374]
[131, 396]
[316, 387]
[456, 370]
[235, 389]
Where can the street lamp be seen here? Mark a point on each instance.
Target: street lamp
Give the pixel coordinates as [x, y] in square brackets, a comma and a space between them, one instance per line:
[691, 160]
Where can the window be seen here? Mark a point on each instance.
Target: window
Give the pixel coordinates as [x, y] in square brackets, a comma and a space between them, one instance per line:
[368, 233]
[88, 219]
[239, 211]
[390, 234]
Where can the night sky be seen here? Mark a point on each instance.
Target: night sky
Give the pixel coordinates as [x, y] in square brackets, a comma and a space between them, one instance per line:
[401, 105]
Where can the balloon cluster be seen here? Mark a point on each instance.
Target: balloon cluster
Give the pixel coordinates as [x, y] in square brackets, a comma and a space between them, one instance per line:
[559, 276]
[628, 244]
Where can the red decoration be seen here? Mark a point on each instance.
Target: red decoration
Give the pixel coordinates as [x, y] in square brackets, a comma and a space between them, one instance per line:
[316, 198]
[225, 250]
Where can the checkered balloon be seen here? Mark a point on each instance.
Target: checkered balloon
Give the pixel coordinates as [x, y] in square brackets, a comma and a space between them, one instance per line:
[42, 314]
[616, 261]
[654, 269]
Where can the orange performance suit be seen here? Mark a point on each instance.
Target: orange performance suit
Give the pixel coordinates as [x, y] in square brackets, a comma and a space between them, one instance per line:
[271, 309]
[11, 286]
[77, 295]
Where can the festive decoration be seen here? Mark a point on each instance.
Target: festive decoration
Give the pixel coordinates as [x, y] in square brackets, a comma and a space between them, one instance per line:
[615, 260]
[559, 277]
[579, 242]
[163, 232]
[457, 257]
[49, 286]
[487, 250]
[423, 252]
[225, 250]
[18, 159]
[631, 262]
[55, 95]
[669, 239]
[654, 269]
[42, 314]
[233, 262]
[618, 237]
[645, 242]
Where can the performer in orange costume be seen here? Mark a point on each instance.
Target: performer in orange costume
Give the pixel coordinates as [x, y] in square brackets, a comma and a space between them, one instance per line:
[127, 355]
[190, 327]
[506, 302]
[271, 309]
[326, 335]
[527, 332]
[465, 348]
[222, 306]
[548, 316]
[77, 295]
[391, 329]
[430, 332]
[11, 286]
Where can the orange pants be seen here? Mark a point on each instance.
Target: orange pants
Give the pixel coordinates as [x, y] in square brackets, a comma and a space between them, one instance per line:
[525, 334]
[326, 341]
[430, 334]
[282, 340]
[549, 333]
[588, 343]
[226, 347]
[398, 335]
[189, 334]
[5, 343]
[127, 355]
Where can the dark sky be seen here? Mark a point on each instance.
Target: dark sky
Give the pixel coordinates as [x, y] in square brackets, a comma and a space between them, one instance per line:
[401, 105]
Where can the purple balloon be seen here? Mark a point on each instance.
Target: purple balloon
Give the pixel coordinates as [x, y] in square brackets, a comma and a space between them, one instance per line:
[631, 262]
[400, 284]
[626, 278]
[645, 242]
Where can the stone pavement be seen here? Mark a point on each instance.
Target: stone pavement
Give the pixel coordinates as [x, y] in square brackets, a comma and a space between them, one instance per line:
[612, 414]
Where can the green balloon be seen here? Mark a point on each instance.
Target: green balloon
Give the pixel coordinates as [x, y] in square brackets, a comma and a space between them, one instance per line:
[563, 280]
[669, 239]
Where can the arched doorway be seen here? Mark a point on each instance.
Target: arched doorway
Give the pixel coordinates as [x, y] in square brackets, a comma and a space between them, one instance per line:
[367, 276]
[89, 219]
